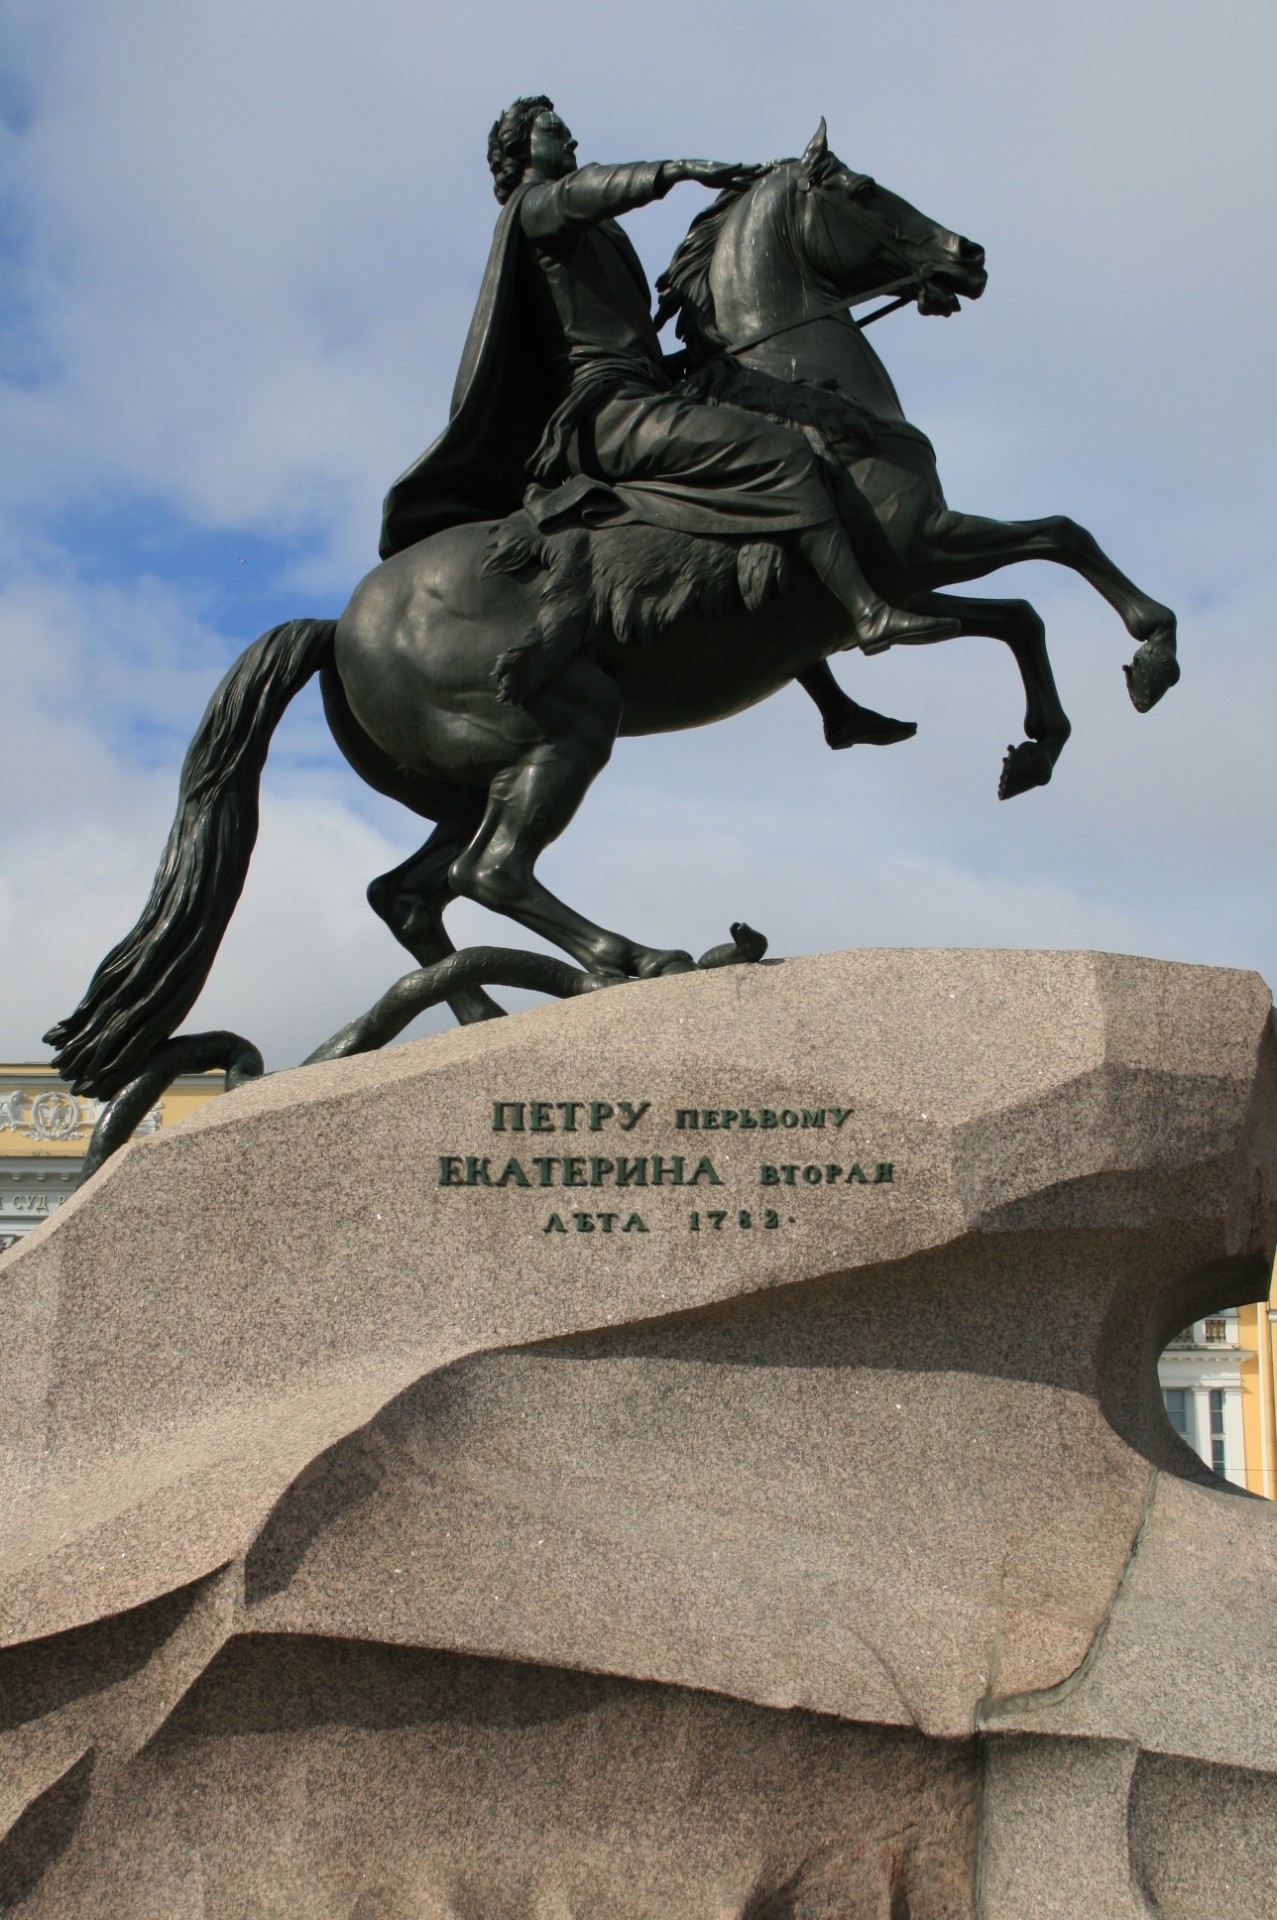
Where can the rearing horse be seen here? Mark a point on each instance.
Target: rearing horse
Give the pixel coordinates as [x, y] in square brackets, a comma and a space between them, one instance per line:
[733, 283]
[409, 673]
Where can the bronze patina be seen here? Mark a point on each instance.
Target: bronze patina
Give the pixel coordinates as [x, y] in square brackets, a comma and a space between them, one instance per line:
[607, 539]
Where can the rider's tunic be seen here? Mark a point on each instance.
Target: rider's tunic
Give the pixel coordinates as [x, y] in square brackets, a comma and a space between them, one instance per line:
[619, 419]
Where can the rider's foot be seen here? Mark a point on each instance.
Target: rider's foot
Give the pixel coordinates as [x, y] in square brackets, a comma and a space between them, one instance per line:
[879, 626]
[859, 726]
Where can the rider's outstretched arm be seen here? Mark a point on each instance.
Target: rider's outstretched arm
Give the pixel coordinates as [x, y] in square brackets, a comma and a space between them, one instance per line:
[594, 193]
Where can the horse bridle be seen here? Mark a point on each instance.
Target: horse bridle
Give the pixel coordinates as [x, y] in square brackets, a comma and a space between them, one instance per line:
[912, 283]
[839, 310]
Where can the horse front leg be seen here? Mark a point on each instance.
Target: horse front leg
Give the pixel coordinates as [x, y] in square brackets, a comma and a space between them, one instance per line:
[1031, 762]
[969, 546]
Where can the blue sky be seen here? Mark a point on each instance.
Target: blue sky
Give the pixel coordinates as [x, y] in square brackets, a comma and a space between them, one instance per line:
[241, 244]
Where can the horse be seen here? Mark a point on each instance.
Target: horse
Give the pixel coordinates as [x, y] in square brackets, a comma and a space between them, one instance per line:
[732, 284]
[764, 285]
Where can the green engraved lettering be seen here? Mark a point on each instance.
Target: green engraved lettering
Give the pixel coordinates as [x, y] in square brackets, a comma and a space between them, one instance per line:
[884, 1176]
[500, 1108]
[635, 1115]
[770, 1177]
[816, 1119]
[634, 1224]
[513, 1171]
[450, 1174]
[554, 1225]
[598, 1168]
[705, 1171]
[631, 1173]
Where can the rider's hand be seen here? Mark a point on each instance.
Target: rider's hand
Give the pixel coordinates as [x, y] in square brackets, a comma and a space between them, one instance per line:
[714, 173]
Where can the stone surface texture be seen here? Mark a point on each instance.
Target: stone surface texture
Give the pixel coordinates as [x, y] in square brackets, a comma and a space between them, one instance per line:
[767, 1519]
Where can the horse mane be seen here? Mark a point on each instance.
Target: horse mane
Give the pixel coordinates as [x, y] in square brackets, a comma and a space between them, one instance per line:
[684, 285]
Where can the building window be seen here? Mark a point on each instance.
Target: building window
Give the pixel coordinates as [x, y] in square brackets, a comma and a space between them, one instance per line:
[1176, 1399]
[1217, 1430]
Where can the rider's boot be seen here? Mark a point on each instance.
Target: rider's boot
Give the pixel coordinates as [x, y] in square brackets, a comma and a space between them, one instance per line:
[828, 551]
[847, 724]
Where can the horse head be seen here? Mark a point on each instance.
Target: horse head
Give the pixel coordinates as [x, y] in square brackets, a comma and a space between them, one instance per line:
[806, 235]
[857, 236]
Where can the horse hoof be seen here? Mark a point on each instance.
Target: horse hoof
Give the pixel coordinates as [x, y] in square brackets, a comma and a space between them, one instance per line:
[655, 965]
[601, 977]
[1152, 672]
[1026, 765]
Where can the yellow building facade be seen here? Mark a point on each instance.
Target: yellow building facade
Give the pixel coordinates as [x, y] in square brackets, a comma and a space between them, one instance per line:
[1218, 1383]
[1218, 1377]
[44, 1132]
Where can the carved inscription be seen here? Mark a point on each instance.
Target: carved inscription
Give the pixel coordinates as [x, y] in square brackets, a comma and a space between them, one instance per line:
[714, 1119]
[525, 1165]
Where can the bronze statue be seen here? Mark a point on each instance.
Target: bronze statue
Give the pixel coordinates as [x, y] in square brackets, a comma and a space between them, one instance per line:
[606, 540]
[564, 380]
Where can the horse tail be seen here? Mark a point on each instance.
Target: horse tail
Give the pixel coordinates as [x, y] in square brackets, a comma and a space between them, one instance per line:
[148, 983]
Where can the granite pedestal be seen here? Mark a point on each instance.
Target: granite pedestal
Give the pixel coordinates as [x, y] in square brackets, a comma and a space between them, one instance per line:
[692, 1451]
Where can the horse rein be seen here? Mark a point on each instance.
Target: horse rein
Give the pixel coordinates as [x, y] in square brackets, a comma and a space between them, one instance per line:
[907, 288]
[913, 283]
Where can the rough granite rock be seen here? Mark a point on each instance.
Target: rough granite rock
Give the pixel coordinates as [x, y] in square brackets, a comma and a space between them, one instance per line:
[451, 1482]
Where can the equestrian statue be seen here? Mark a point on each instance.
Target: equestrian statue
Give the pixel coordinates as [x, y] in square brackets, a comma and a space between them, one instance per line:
[606, 539]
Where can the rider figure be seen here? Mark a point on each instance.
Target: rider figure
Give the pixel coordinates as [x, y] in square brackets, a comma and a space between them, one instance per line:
[564, 381]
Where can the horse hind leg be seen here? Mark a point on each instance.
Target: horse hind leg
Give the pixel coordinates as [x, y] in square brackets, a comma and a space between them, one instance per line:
[412, 898]
[529, 805]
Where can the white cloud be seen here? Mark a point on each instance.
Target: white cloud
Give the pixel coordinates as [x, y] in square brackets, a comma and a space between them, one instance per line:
[245, 241]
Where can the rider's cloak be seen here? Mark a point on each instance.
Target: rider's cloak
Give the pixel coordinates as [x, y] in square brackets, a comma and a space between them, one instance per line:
[670, 462]
[478, 467]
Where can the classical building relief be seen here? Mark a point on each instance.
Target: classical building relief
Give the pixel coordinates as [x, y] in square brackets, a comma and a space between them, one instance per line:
[55, 1114]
